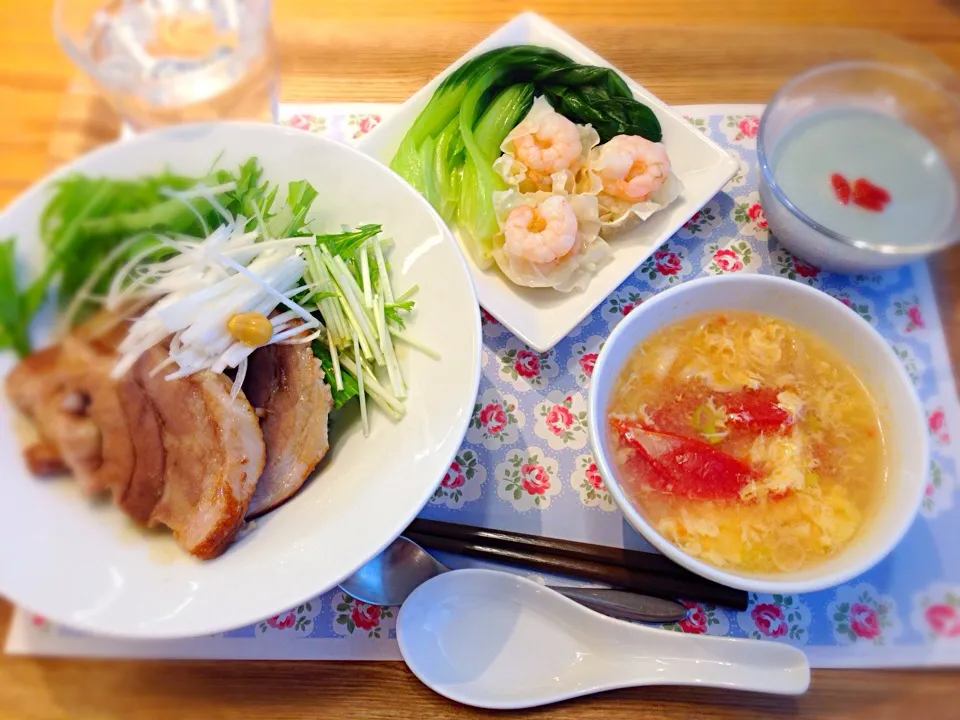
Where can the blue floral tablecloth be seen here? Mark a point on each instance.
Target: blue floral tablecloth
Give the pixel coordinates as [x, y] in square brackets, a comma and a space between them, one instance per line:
[526, 465]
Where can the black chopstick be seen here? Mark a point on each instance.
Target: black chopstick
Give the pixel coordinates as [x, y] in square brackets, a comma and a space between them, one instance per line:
[670, 586]
[633, 559]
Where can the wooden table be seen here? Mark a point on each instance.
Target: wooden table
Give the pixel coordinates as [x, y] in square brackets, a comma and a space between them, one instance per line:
[686, 51]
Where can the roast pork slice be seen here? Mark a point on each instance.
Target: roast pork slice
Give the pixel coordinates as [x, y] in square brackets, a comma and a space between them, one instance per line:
[68, 392]
[181, 453]
[33, 378]
[285, 383]
[213, 455]
[146, 485]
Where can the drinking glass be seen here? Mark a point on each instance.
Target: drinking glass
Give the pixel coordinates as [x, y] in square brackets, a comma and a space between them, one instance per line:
[161, 62]
[922, 96]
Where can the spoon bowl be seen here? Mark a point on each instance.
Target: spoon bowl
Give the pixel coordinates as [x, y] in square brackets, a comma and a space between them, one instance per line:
[394, 574]
[500, 641]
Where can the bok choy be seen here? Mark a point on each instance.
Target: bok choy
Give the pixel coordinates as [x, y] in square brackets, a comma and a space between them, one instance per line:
[448, 152]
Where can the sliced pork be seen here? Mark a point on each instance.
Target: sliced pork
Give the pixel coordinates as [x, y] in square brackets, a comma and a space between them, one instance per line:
[285, 383]
[68, 392]
[180, 453]
[213, 454]
[146, 484]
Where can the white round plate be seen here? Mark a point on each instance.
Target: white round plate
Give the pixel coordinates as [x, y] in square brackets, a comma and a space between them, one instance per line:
[84, 564]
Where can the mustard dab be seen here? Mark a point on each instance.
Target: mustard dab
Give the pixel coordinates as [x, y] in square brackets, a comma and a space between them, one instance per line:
[251, 328]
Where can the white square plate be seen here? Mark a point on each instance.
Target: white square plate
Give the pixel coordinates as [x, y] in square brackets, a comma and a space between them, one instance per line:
[541, 317]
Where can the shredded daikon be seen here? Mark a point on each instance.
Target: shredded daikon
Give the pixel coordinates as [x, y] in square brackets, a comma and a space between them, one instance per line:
[202, 287]
[246, 256]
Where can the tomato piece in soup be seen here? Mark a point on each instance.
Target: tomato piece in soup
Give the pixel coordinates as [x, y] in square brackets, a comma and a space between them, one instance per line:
[681, 466]
[755, 409]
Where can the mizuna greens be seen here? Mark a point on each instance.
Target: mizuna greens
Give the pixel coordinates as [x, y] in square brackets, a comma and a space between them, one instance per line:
[199, 251]
[449, 151]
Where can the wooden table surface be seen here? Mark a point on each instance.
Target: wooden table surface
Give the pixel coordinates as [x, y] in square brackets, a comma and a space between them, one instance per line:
[686, 51]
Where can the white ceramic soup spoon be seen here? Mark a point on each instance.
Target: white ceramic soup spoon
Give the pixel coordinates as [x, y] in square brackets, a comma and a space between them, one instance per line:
[496, 640]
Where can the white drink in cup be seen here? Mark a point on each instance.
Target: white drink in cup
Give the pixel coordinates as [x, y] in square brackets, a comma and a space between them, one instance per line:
[859, 162]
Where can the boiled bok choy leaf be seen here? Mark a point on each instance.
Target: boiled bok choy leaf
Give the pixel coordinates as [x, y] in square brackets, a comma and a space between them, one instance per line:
[476, 219]
[448, 152]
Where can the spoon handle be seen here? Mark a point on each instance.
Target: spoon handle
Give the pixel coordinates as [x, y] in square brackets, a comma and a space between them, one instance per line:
[626, 605]
[732, 663]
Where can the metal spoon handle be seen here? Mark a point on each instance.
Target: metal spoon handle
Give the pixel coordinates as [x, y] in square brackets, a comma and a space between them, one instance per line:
[626, 605]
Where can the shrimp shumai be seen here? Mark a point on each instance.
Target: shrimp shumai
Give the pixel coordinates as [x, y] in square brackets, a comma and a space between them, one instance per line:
[632, 180]
[545, 151]
[567, 192]
[548, 240]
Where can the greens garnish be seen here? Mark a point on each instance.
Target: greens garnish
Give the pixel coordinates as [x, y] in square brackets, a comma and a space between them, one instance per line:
[448, 152]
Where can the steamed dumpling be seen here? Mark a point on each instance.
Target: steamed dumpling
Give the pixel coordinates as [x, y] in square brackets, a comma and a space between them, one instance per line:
[548, 240]
[632, 179]
[545, 151]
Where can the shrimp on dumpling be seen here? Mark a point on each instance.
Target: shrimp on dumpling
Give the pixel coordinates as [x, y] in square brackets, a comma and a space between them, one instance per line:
[632, 178]
[548, 240]
[545, 151]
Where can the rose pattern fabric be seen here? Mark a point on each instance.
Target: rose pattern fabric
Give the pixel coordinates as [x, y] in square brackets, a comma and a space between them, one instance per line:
[359, 124]
[695, 622]
[749, 216]
[729, 255]
[938, 495]
[741, 174]
[297, 622]
[587, 362]
[528, 480]
[365, 617]
[912, 363]
[454, 477]
[776, 617]
[569, 511]
[755, 213]
[703, 223]
[937, 421]
[943, 619]
[742, 129]
[561, 420]
[936, 613]
[524, 368]
[589, 485]
[907, 315]
[527, 363]
[534, 478]
[667, 262]
[701, 620]
[497, 420]
[490, 326]
[700, 123]
[864, 621]
[40, 622]
[309, 123]
[769, 620]
[354, 618]
[727, 260]
[622, 303]
[583, 358]
[856, 302]
[667, 266]
[788, 266]
[461, 483]
[748, 126]
[861, 615]
[281, 622]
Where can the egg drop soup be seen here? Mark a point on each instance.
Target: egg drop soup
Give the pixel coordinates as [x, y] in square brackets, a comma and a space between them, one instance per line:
[747, 442]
